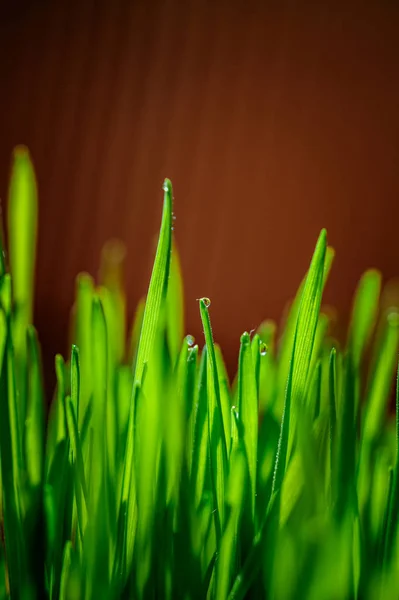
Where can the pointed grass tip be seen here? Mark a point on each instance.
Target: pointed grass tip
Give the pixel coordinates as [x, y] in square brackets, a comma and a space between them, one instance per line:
[21, 152]
[167, 186]
[205, 301]
[393, 317]
[190, 340]
[245, 338]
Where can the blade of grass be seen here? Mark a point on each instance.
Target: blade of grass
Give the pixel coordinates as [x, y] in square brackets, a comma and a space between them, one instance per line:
[217, 441]
[22, 232]
[364, 314]
[35, 421]
[248, 412]
[304, 335]
[175, 306]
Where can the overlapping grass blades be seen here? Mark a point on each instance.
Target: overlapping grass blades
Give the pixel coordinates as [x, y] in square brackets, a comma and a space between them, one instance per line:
[155, 476]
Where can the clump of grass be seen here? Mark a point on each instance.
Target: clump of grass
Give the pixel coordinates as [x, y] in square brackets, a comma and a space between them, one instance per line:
[154, 476]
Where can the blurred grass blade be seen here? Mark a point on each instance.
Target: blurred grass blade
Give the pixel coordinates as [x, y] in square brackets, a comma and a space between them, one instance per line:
[83, 339]
[381, 379]
[22, 232]
[112, 278]
[66, 572]
[364, 314]
[35, 421]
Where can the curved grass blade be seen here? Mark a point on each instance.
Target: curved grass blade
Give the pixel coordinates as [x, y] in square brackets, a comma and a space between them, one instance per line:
[304, 335]
[158, 286]
[287, 342]
[151, 318]
[217, 441]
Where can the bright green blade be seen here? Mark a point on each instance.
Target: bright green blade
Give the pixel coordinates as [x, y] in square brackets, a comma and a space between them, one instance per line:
[217, 441]
[286, 346]
[158, 286]
[135, 333]
[81, 495]
[304, 336]
[22, 232]
[228, 547]
[225, 393]
[199, 470]
[175, 307]
[248, 414]
[148, 334]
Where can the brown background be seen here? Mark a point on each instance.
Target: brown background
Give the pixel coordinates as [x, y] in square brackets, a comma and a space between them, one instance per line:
[273, 119]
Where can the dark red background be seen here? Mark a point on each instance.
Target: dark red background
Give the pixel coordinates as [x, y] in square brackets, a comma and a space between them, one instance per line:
[273, 119]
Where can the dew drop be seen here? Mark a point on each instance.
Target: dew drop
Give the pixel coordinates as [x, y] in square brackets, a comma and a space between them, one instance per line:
[245, 338]
[262, 348]
[206, 301]
[190, 339]
[393, 318]
[165, 186]
[174, 217]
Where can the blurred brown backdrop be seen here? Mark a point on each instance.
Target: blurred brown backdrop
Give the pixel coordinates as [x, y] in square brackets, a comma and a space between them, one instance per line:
[273, 119]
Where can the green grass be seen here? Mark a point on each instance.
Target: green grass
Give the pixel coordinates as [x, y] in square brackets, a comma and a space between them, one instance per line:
[154, 476]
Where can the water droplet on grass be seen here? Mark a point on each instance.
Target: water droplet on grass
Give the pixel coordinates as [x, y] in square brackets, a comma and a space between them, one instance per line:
[245, 338]
[206, 301]
[393, 318]
[262, 348]
[190, 339]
